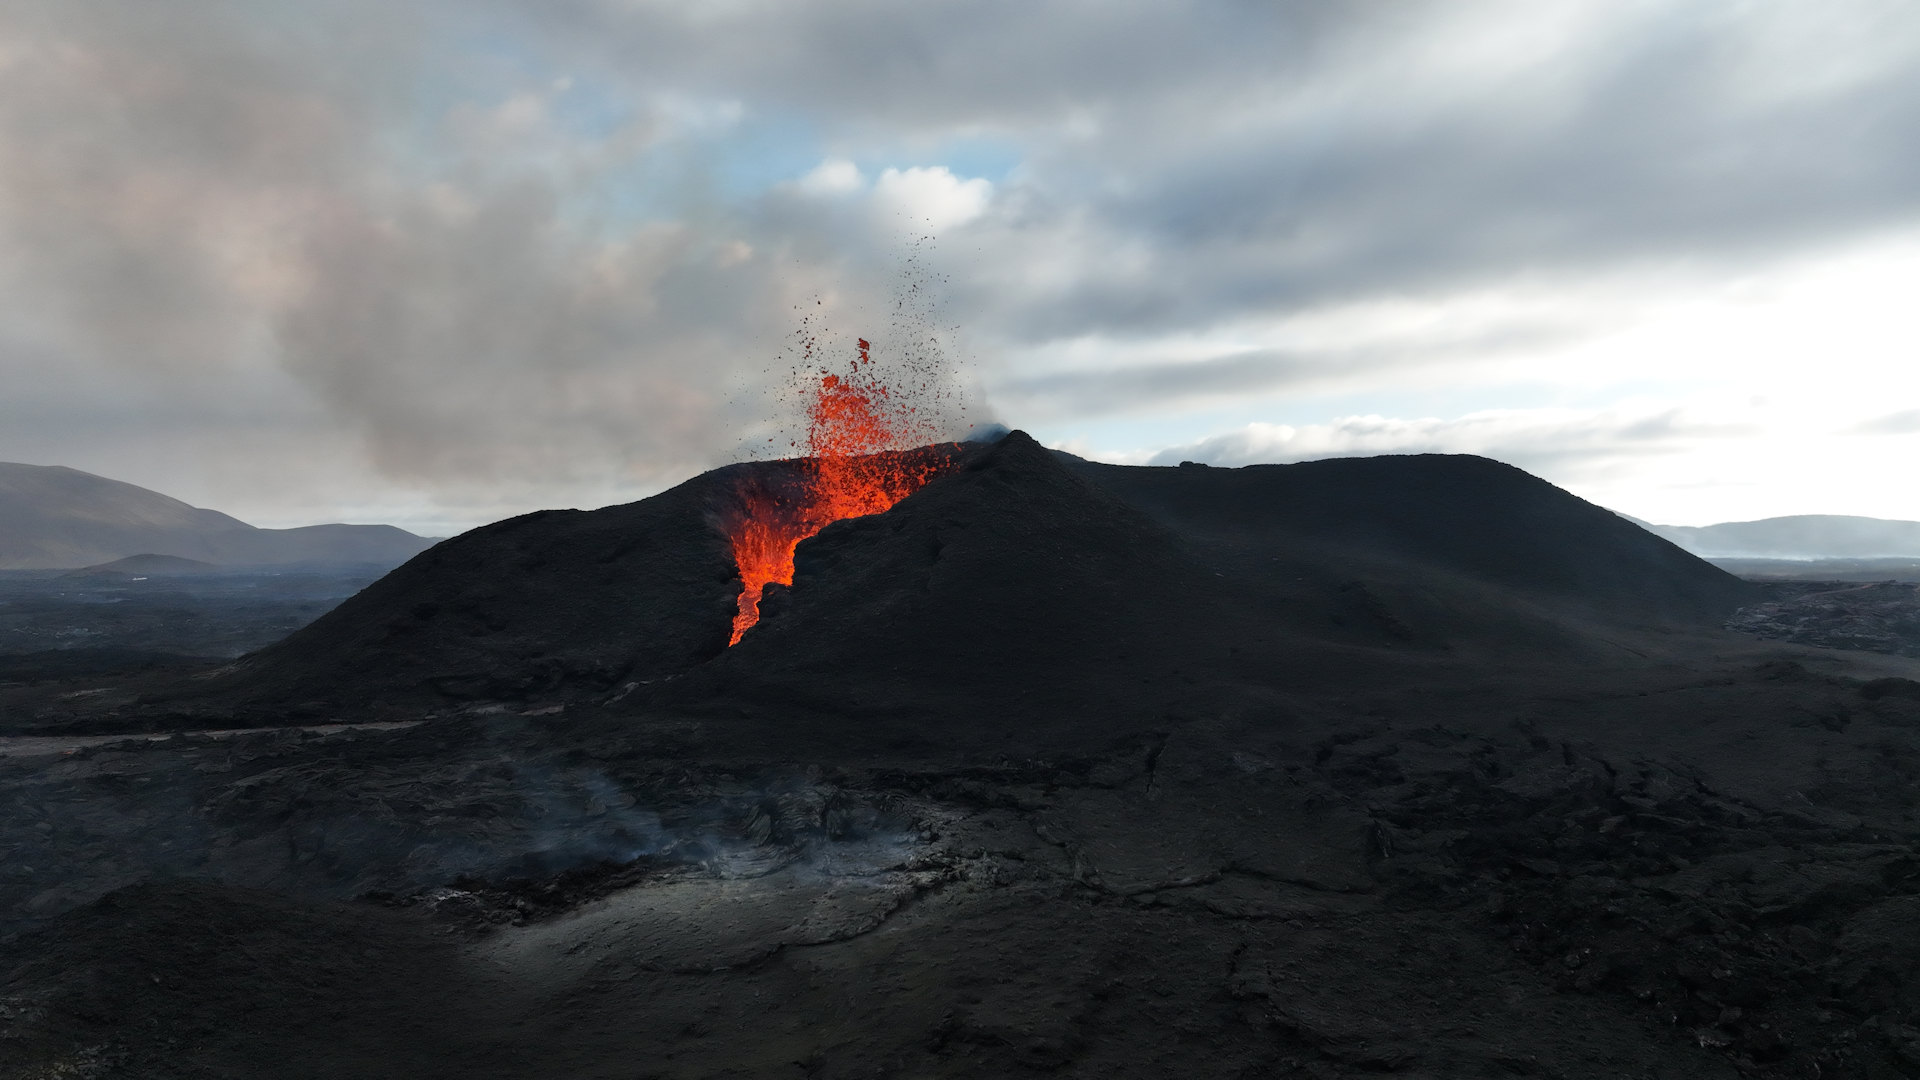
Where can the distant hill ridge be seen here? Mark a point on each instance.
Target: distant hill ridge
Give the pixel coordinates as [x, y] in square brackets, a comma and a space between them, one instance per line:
[155, 565]
[1801, 536]
[54, 517]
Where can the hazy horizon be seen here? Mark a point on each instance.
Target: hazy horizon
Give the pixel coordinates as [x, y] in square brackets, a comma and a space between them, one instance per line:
[1712, 551]
[434, 264]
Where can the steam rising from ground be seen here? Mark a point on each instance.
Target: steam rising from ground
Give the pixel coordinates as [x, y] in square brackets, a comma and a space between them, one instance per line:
[332, 820]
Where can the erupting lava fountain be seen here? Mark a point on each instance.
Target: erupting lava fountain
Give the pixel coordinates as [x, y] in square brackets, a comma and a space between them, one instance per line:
[856, 424]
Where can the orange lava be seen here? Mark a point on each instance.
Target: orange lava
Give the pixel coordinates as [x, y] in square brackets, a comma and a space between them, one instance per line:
[852, 420]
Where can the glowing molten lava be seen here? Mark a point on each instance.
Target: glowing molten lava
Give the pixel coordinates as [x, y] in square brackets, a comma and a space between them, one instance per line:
[852, 421]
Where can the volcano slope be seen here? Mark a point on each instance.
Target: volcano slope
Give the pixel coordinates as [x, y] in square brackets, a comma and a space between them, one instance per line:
[1022, 584]
[1402, 765]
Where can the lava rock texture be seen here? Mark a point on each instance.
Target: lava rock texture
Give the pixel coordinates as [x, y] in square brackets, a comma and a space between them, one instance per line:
[1881, 616]
[1413, 766]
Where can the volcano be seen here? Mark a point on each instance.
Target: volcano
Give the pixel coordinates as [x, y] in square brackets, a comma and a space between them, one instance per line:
[1412, 764]
[1018, 575]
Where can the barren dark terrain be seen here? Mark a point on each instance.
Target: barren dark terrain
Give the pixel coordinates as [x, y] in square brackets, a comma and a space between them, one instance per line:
[1414, 766]
[74, 643]
[218, 613]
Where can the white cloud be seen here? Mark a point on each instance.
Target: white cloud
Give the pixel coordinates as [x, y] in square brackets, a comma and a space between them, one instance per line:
[832, 177]
[552, 272]
[1692, 463]
[931, 197]
[1508, 434]
[697, 115]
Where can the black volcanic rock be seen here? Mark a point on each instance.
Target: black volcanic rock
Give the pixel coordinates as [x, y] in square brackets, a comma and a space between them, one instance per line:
[1033, 585]
[1010, 579]
[558, 603]
[1410, 765]
[1453, 513]
[555, 600]
[1880, 617]
[1019, 583]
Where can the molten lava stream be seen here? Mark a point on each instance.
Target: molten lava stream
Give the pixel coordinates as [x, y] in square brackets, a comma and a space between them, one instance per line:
[852, 421]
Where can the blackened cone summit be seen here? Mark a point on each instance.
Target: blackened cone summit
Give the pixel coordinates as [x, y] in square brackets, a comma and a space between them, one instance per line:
[1021, 583]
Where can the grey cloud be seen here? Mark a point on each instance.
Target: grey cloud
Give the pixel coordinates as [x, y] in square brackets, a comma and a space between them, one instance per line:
[1656, 161]
[1173, 384]
[1546, 443]
[1215, 153]
[155, 159]
[1216, 150]
[1096, 392]
[1906, 422]
[192, 205]
[946, 65]
[193, 190]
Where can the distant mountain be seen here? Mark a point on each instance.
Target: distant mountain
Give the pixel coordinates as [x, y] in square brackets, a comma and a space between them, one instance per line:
[53, 517]
[149, 565]
[1803, 536]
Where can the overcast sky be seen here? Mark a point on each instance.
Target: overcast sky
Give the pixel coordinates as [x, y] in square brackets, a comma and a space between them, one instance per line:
[434, 262]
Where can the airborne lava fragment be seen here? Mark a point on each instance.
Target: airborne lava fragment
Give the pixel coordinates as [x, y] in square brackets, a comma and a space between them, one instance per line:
[853, 420]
